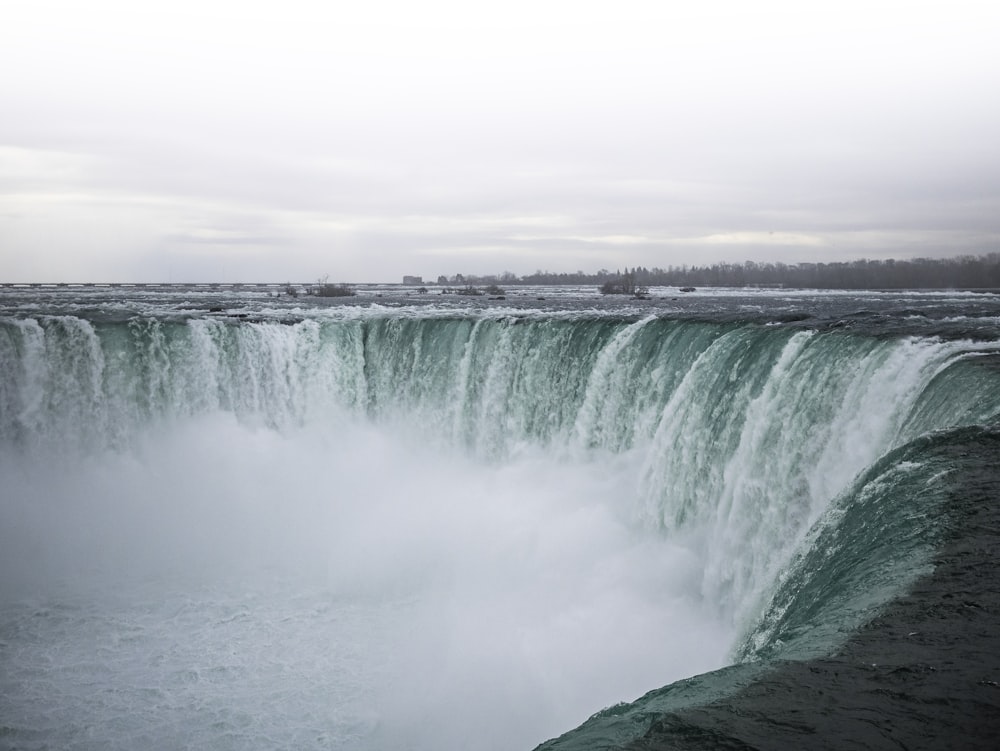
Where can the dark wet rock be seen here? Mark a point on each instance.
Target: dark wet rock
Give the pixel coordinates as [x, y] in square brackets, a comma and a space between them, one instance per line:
[924, 674]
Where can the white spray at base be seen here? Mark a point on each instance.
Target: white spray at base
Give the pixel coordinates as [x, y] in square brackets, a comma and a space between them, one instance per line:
[235, 586]
[404, 533]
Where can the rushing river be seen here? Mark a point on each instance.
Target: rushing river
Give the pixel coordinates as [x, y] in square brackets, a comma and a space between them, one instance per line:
[231, 519]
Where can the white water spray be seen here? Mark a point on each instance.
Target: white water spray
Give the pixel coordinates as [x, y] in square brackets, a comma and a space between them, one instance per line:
[401, 533]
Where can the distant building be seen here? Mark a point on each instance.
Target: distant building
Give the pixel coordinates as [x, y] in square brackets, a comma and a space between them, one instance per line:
[413, 280]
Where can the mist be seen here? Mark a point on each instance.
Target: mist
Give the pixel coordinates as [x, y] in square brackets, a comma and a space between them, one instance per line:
[341, 581]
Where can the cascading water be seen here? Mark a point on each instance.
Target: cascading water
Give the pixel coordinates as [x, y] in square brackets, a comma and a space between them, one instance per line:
[378, 530]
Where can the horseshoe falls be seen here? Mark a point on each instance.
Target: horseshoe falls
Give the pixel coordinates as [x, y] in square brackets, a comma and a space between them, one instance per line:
[232, 521]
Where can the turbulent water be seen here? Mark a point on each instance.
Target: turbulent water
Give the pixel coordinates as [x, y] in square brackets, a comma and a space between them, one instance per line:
[416, 521]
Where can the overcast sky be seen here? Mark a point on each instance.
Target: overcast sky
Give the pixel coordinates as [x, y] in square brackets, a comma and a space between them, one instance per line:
[201, 140]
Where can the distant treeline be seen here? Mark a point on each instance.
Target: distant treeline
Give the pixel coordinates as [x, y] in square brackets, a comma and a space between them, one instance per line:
[917, 273]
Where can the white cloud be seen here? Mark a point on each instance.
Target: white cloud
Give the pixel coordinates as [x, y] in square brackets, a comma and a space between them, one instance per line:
[757, 238]
[366, 133]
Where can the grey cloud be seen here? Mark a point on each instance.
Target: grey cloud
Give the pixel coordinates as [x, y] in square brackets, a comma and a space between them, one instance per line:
[367, 156]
